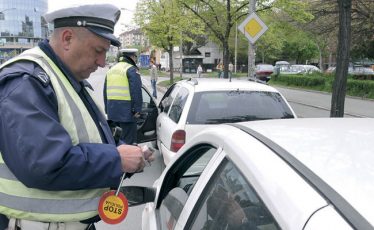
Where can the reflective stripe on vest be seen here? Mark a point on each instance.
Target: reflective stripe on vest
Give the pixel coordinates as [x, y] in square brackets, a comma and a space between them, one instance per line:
[19, 201]
[117, 84]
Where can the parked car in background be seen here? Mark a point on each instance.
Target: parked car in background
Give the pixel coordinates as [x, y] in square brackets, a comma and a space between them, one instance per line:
[299, 69]
[330, 69]
[263, 72]
[282, 63]
[361, 70]
[306, 69]
[192, 105]
[355, 70]
[310, 173]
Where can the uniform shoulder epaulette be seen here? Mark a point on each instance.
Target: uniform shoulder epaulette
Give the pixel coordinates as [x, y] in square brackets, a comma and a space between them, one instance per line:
[41, 76]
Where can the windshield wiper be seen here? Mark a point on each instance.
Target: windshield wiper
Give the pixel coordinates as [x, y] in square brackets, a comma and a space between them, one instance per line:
[232, 119]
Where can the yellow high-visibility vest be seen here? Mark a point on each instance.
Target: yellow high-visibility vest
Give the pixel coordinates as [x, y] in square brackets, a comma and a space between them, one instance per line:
[117, 83]
[21, 202]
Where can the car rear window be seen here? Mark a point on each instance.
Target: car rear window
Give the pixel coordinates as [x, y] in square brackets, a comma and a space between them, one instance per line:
[236, 106]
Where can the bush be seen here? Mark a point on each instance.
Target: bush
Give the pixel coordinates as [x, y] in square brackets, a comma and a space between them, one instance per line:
[359, 88]
[314, 82]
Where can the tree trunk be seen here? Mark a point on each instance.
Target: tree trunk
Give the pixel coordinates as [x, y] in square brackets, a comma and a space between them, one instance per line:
[171, 65]
[342, 60]
[181, 58]
[320, 61]
[330, 58]
[226, 57]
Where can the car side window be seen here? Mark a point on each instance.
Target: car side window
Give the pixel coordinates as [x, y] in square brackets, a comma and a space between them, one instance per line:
[230, 202]
[168, 100]
[147, 100]
[178, 105]
[185, 176]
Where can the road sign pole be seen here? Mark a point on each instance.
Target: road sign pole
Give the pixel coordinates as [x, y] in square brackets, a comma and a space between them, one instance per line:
[253, 28]
[251, 46]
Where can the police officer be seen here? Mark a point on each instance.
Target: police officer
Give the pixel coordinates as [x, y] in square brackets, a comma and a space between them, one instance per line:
[57, 153]
[123, 94]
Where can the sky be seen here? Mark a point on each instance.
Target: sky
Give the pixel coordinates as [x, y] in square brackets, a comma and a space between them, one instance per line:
[126, 15]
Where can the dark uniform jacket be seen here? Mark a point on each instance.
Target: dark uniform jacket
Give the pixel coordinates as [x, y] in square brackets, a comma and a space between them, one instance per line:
[36, 147]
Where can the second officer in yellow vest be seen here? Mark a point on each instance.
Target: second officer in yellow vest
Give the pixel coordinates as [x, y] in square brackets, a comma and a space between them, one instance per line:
[123, 94]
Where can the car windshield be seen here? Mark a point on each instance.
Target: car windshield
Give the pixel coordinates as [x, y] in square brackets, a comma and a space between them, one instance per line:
[235, 106]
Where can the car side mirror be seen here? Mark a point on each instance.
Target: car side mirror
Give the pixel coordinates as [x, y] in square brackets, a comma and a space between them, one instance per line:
[137, 195]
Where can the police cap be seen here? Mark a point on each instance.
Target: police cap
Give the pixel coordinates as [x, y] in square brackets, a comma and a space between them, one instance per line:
[98, 18]
[129, 52]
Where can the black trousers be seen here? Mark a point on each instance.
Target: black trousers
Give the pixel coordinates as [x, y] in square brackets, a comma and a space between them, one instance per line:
[129, 132]
[4, 221]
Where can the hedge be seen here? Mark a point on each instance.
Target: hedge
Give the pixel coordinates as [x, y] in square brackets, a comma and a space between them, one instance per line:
[359, 88]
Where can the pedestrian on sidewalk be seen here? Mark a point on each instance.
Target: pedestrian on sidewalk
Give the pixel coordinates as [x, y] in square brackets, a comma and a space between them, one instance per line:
[231, 69]
[154, 76]
[199, 71]
[220, 69]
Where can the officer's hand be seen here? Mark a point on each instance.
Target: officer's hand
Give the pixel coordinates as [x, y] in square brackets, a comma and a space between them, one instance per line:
[131, 158]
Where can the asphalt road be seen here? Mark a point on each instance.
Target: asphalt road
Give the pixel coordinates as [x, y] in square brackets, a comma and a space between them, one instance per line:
[317, 104]
[146, 178]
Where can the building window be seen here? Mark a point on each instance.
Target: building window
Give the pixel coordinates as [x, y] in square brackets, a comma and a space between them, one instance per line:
[207, 54]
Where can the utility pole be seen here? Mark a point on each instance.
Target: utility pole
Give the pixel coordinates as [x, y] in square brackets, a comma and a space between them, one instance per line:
[251, 46]
[181, 57]
[236, 46]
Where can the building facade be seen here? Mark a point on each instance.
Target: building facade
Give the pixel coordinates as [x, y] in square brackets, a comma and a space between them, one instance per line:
[22, 26]
[207, 56]
[133, 38]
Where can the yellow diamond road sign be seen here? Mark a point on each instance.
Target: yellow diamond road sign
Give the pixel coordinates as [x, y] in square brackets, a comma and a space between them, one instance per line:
[253, 27]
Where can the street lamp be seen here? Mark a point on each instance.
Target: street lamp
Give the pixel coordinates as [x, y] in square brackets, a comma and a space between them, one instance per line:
[2, 16]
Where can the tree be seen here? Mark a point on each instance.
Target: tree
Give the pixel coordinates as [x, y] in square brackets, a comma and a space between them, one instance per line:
[300, 47]
[326, 23]
[269, 47]
[362, 29]
[165, 23]
[219, 18]
[342, 62]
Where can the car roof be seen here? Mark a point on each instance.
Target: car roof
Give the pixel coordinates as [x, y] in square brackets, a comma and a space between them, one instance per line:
[340, 151]
[216, 84]
[282, 63]
[263, 64]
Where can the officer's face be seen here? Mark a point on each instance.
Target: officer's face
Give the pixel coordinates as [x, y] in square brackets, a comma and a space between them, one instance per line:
[88, 52]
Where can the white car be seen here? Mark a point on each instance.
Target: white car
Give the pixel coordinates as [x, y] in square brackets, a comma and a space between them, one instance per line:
[311, 173]
[306, 69]
[192, 105]
[299, 69]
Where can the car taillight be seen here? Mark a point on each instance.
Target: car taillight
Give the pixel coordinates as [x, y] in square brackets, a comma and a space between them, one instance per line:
[177, 140]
